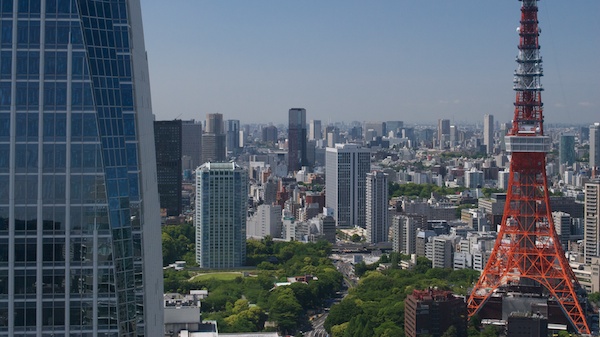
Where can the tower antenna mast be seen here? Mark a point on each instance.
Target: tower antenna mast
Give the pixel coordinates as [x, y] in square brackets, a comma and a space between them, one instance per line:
[527, 251]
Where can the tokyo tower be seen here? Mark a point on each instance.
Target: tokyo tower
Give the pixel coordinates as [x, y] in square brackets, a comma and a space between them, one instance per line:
[527, 250]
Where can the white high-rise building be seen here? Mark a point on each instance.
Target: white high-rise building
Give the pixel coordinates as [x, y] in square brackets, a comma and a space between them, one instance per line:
[266, 221]
[377, 220]
[592, 221]
[595, 147]
[404, 231]
[79, 207]
[488, 133]
[220, 219]
[346, 168]
[503, 177]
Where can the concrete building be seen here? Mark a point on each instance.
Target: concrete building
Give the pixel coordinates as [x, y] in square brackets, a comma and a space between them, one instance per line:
[346, 168]
[592, 220]
[562, 226]
[315, 130]
[220, 219]
[443, 251]
[79, 204]
[404, 234]
[266, 221]
[182, 312]
[474, 178]
[431, 312]
[377, 219]
[191, 144]
[521, 324]
[168, 144]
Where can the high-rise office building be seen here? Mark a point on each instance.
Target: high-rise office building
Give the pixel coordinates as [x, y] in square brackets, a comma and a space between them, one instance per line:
[595, 148]
[373, 129]
[191, 144]
[296, 139]
[232, 137]
[315, 131]
[220, 220]
[592, 221]
[79, 221]
[346, 168]
[395, 127]
[213, 139]
[562, 226]
[566, 149]
[269, 134]
[377, 220]
[167, 139]
[443, 133]
[488, 133]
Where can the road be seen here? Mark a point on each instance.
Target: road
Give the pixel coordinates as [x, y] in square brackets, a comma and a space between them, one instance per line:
[347, 269]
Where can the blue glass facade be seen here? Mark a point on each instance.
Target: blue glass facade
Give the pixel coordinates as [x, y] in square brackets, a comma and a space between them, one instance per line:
[71, 206]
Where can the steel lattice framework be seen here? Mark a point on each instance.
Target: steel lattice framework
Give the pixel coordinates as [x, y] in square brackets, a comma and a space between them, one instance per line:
[527, 246]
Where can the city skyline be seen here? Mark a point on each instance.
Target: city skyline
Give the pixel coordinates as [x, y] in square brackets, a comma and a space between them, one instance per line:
[346, 61]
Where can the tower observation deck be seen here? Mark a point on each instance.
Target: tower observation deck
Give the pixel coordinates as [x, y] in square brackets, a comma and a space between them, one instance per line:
[527, 252]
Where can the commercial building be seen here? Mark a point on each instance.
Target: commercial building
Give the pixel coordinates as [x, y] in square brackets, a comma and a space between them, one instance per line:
[296, 139]
[191, 144]
[431, 312]
[566, 149]
[562, 226]
[314, 130]
[220, 219]
[346, 168]
[266, 221]
[232, 137]
[269, 134]
[213, 139]
[78, 198]
[377, 219]
[167, 139]
[443, 133]
[488, 133]
[595, 148]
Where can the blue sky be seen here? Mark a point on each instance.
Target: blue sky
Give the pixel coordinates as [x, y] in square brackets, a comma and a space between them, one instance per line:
[348, 60]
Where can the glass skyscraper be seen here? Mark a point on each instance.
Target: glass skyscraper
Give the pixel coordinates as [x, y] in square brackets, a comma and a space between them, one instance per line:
[78, 196]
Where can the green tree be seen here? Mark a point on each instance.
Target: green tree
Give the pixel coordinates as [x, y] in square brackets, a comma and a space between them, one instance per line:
[451, 332]
[285, 310]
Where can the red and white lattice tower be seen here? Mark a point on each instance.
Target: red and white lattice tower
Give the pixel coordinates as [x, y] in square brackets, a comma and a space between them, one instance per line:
[528, 250]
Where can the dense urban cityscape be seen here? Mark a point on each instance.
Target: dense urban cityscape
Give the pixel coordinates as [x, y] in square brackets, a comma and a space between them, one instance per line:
[117, 223]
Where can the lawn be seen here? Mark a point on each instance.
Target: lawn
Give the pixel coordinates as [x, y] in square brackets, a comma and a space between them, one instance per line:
[221, 276]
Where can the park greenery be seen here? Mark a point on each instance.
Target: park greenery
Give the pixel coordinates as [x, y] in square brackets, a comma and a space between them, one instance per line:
[375, 307]
[244, 303]
[178, 243]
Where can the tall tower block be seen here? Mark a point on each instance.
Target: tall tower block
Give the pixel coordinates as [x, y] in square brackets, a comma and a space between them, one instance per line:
[527, 250]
